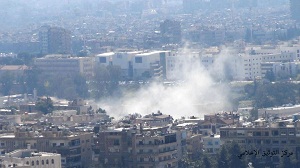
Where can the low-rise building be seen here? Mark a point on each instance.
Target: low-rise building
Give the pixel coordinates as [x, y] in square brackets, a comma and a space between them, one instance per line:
[14, 70]
[31, 159]
[65, 65]
[75, 148]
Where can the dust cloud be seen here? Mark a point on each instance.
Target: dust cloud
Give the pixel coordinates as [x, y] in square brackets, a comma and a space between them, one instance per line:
[197, 93]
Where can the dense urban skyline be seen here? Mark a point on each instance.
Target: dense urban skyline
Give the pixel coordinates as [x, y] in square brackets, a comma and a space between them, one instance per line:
[149, 83]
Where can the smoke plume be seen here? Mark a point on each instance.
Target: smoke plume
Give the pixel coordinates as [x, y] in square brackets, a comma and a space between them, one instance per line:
[197, 93]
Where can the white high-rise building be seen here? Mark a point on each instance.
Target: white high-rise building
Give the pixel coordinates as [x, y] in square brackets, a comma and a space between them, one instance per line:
[136, 65]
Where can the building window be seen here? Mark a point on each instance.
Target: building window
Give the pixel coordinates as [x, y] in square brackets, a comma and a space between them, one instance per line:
[119, 56]
[47, 161]
[275, 133]
[32, 163]
[116, 142]
[37, 162]
[52, 161]
[43, 162]
[258, 141]
[102, 59]
[257, 133]
[138, 60]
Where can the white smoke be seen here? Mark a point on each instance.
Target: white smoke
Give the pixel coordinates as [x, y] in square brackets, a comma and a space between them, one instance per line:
[197, 95]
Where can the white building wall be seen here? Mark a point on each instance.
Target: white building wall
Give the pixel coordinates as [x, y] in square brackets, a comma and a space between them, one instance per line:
[211, 144]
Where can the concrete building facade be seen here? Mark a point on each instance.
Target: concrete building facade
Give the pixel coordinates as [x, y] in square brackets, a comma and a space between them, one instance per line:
[264, 136]
[136, 65]
[74, 148]
[30, 158]
[65, 65]
[55, 40]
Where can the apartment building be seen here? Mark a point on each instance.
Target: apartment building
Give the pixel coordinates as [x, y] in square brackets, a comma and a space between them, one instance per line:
[265, 136]
[194, 146]
[55, 40]
[139, 147]
[178, 63]
[112, 148]
[30, 158]
[281, 70]
[210, 124]
[211, 144]
[281, 60]
[74, 148]
[155, 149]
[65, 65]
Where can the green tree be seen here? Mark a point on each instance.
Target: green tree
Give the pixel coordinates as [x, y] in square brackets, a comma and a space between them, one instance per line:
[100, 84]
[270, 76]
[81, 86]
[106, 80]
[298, 77]
[254, 161]
[233, 160]
[26, 58]
[6, 81]
[206, 162]
[286, 162]
[45, 105]
[222, 158]
[31, 79]
[276, 94]
[254, 114]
